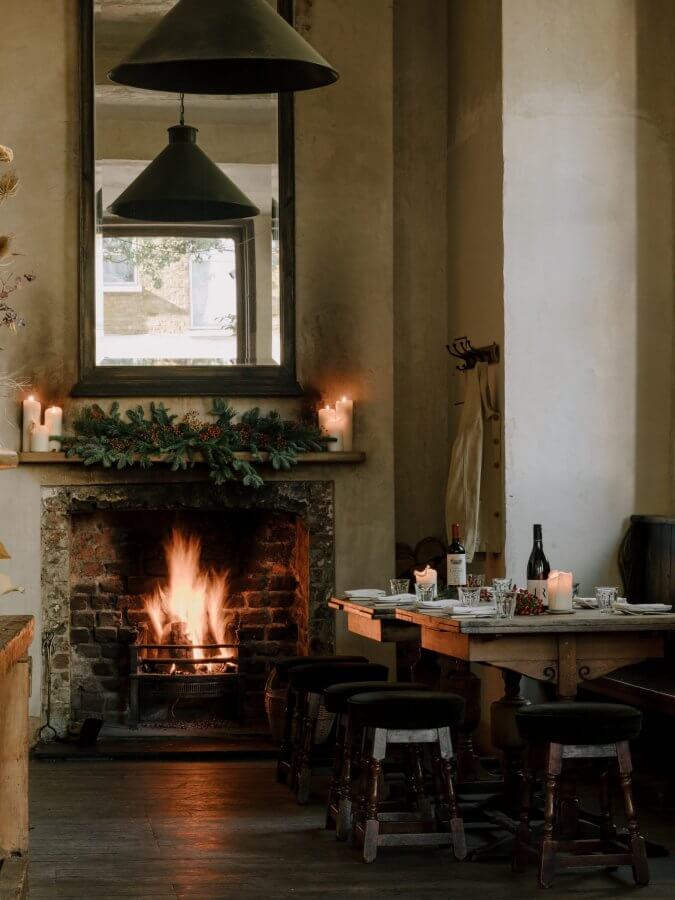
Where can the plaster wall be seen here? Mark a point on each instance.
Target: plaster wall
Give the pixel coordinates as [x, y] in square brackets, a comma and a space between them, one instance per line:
[420, 267]
[344, 275]
[588, 95]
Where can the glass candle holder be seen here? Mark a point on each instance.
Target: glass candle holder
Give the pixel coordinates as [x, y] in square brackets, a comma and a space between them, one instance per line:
[398, 586]
[469, 596]
[426, 593]
[605, 597]
[502, 584]
[506, 604]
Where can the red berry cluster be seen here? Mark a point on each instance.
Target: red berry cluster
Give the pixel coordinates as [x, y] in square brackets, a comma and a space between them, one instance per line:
[528, 604]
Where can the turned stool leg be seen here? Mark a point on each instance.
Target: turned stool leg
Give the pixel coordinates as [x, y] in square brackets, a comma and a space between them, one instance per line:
[456, 822]
[547, 857]
[344, 789]
[334, 789]
[304, 764]
[359, 809]
[637, 843]
[569, 807]
[420, 800]
[522, 841]
[374, 769]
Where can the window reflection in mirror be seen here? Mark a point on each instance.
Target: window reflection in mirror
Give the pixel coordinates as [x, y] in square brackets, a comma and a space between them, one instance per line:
[194, 294]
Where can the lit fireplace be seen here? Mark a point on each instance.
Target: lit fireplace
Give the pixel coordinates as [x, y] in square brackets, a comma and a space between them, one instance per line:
[190, 611]
[186, 654]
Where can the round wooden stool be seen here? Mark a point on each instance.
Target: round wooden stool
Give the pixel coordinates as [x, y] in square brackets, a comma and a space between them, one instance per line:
[309, 683]
[348, 747]
[417, 718]
[278, 681]
[570, 731]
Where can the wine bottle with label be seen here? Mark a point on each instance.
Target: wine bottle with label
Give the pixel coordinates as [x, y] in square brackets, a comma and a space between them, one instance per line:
[538, 568]
[456, 560]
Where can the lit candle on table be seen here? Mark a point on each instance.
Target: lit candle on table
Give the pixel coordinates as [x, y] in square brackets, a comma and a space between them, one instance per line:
[560, 590]
[39, 438]
[345, 409]
[54, 423]
[427, 576]
[32, 410]
[330, 422]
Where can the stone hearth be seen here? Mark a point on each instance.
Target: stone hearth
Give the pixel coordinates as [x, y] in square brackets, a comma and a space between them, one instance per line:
[101, 550]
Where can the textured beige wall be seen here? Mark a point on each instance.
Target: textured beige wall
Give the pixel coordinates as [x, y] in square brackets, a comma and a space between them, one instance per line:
[344, 278]
[588, 230]
[421, 367]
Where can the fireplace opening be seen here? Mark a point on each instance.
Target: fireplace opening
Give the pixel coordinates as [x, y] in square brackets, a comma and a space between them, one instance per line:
[177, 617]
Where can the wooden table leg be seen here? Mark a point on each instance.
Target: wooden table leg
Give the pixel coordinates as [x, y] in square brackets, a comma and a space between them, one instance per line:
[568, 673]
[506, 737]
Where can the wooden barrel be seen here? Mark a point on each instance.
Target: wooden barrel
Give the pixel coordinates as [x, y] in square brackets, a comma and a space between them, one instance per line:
[647, 560]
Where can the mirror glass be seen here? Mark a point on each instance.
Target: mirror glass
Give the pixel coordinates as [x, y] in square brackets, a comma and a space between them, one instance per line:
[192, 294]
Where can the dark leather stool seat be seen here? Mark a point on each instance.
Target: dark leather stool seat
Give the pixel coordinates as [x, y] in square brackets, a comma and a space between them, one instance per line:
[408, 709]
[336, 696]
[579, 723]
[283, 667]
[315, 678]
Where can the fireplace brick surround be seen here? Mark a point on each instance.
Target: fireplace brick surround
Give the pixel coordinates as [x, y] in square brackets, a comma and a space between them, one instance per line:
[102, 549]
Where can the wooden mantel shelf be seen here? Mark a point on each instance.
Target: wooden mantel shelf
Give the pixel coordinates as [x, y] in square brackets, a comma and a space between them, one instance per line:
[303, 458]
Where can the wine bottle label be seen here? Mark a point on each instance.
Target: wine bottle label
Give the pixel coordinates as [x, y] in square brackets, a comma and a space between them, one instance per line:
[539, 589]
[457, 568]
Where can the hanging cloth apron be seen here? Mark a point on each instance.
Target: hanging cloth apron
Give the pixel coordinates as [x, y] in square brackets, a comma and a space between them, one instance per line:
[473, 495]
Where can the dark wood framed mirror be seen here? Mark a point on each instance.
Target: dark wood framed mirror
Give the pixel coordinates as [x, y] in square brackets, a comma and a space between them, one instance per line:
[194, 308]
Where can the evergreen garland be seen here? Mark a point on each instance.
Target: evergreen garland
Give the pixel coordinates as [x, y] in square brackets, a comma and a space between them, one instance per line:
[110, 440]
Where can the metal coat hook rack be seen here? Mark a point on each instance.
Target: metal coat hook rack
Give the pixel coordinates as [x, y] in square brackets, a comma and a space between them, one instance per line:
[462, 348]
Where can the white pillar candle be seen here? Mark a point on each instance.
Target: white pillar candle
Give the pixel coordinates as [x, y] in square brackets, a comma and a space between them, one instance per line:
[54, 423]
[32, 410]
[560, 590]
[39, 438]
[345, 409]
[427, 576]
[330, 423]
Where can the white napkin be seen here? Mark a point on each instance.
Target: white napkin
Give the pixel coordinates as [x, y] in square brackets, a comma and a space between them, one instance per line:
[446, 603]
[365, 592]
[478, 611]
[394, 600]
[636, 609]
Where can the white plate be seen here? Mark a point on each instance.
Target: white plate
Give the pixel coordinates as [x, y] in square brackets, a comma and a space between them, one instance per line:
[365, 592]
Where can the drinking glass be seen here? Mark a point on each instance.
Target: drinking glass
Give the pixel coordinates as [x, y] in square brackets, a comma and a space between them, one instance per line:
[502, 584]
[398, 586]
[604, 597]
[469, 596]
[506, 604]
[475, 581]
[425, 593]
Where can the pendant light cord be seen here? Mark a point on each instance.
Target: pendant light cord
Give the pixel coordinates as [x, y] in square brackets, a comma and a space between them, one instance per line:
[182, 109]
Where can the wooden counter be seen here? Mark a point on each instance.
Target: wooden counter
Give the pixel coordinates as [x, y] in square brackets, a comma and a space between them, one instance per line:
[16, 634]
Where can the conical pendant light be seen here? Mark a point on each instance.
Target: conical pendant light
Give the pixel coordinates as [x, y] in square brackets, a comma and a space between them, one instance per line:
[183, 185]
[224, 47]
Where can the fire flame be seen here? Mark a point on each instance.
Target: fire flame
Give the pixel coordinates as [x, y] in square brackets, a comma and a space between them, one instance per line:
[190, 608]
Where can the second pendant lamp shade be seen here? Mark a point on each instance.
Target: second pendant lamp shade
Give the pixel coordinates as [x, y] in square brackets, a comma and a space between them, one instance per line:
[224, 47]
[183, 185]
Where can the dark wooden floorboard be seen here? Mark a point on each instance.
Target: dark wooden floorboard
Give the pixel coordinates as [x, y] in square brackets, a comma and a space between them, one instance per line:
[227, 831]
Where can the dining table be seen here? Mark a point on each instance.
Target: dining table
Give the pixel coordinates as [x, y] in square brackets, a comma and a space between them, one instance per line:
[564, 650]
